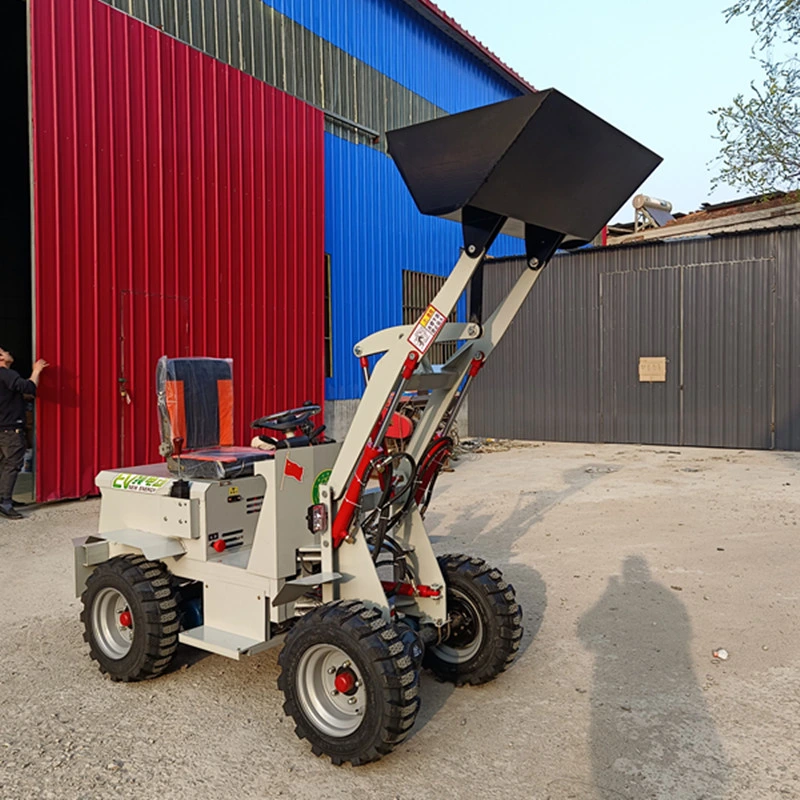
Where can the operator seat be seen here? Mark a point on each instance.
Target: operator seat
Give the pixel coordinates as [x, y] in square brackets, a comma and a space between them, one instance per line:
[195, 403]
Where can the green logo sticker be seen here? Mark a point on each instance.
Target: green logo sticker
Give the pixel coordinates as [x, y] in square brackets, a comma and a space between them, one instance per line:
[138, 483]
[323, 477]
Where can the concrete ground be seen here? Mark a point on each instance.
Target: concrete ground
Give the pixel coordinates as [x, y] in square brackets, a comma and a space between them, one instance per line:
[632, 565]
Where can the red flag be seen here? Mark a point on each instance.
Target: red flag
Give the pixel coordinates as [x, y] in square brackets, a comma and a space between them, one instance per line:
[293, 470]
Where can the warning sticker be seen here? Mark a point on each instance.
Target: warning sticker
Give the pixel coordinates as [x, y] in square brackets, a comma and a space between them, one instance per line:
[426, 329]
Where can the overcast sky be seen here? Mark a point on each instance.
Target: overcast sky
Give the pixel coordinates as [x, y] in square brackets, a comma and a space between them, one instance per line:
[653, 69]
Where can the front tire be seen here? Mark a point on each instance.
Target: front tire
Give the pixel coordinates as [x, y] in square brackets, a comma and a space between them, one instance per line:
[348, 683]
[130, 618]
[486, 623]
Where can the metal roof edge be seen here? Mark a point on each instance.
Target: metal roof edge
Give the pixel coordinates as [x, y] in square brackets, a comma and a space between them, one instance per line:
[445, 23]
[713, 234]
[770, 218]
[666, 240]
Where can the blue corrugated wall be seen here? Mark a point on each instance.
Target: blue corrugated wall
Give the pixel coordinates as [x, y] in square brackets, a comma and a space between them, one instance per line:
[395, 40]
[373, 229]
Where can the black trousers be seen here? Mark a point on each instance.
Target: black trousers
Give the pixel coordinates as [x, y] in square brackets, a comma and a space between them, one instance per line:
[12, 455]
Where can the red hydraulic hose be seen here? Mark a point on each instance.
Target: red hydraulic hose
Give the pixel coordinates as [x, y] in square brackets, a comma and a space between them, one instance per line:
[341, 524]
[430, 464]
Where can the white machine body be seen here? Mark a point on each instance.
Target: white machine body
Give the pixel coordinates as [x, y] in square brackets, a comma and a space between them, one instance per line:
[259, 518]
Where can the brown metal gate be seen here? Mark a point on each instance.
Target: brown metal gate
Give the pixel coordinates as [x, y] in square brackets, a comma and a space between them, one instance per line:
[569, 368]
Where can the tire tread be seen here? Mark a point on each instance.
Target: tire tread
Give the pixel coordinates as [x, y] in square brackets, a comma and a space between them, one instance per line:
[499, 601]
[377, 642]
[149, 580]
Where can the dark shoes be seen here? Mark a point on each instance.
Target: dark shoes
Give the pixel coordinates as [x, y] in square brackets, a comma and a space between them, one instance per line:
[10, 512]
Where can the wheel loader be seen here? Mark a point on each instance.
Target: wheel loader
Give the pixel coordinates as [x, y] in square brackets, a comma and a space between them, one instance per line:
[319, 546]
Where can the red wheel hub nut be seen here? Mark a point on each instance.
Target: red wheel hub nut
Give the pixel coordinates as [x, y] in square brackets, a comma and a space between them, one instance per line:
[125, 619]
[345, 681]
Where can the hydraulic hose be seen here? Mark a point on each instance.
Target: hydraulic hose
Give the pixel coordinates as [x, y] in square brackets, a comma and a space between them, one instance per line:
[430, 465]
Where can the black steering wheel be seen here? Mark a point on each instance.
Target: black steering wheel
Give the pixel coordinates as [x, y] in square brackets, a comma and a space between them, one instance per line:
[287, 420]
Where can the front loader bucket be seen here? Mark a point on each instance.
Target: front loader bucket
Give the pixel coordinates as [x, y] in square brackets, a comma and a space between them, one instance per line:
[541, 159]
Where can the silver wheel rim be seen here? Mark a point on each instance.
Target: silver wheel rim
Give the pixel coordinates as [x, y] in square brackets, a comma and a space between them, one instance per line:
[331, 712]
[462, 653]
[113, 638]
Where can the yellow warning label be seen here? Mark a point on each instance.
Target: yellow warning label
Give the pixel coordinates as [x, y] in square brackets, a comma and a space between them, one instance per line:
[426, 330]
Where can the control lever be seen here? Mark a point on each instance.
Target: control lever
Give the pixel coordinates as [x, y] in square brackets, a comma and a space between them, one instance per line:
[181, 487]
[177, 449]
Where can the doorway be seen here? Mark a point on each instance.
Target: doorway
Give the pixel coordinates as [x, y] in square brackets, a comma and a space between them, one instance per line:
[16, 271]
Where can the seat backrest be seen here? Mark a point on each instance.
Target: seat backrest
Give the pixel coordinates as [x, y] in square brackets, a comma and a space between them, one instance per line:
[195, 401]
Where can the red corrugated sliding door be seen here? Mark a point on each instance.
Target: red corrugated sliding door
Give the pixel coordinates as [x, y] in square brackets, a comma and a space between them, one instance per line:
[178, 210]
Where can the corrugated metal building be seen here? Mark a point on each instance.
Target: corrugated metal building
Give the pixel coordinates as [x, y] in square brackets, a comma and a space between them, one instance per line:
[178, 207]
[716, 316]
[370, 65]
[200, 167]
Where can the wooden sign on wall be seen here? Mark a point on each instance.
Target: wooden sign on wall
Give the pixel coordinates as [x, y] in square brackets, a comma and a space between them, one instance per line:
[652, 369]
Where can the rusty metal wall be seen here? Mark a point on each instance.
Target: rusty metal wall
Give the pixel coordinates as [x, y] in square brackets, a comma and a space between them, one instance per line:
[723, 311]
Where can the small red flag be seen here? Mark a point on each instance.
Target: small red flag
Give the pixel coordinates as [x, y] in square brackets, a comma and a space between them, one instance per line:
[293, 470]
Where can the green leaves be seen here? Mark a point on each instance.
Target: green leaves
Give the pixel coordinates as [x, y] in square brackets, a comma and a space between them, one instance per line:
[770, 20]
[760, 132]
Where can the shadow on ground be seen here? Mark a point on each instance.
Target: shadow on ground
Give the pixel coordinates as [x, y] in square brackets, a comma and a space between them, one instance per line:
[651, 734]
[473, 527]
[473, 532]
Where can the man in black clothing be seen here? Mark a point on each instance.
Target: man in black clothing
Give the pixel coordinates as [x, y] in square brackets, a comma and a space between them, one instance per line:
[13, 389]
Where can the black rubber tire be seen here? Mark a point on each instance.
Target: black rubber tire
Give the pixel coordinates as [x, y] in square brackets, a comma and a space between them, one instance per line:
[149, 592]
[491, 636]
[391, 680]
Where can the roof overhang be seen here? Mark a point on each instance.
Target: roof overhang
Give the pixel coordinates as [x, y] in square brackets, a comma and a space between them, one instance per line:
[445, 23]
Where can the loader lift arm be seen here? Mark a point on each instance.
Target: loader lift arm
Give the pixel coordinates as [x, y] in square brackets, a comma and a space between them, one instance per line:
[541, 167]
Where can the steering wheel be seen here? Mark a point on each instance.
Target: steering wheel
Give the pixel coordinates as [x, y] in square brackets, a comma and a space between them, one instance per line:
[287, 420]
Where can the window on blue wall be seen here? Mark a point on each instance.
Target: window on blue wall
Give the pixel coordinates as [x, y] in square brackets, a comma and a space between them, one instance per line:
[419, 288]
[328, 319]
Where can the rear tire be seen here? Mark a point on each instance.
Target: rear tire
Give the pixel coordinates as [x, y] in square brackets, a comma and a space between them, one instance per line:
[346, 641]
[130, 618]
[486, 623]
